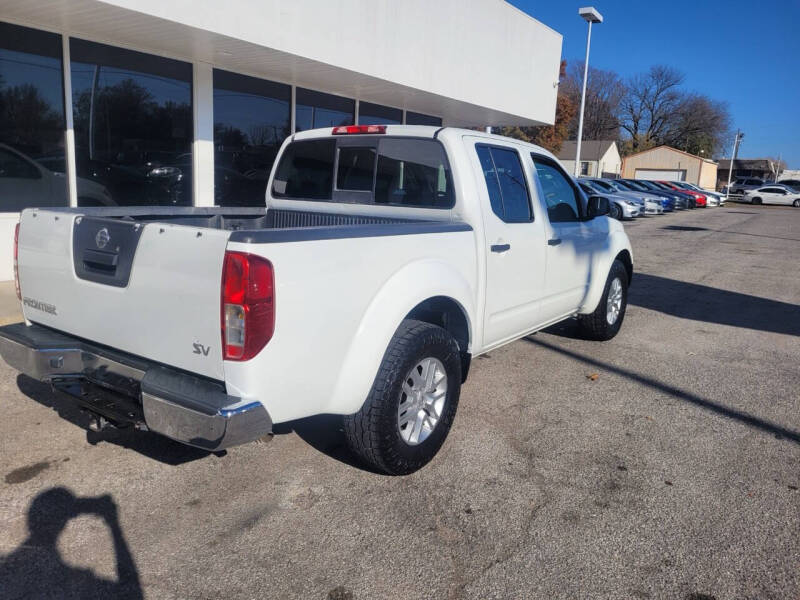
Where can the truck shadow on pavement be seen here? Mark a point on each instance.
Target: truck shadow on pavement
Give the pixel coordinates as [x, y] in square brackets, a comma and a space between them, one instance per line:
[148, 444]
[704, 303]
[745, 418]
[325, 433]
[36, 568]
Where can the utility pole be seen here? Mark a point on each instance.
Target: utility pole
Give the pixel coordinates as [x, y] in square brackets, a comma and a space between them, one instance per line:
[737, 140]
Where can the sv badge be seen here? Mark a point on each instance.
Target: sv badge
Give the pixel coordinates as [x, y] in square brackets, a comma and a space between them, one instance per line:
[200, 349]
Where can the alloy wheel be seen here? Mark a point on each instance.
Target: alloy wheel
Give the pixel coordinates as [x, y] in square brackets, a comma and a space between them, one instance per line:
[614, 303]
[422, 400]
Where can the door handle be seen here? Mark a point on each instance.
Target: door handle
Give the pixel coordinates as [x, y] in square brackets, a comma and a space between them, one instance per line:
[500, 248]
[554, 242]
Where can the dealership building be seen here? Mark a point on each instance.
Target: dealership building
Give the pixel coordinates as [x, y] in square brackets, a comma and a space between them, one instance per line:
[145, 102]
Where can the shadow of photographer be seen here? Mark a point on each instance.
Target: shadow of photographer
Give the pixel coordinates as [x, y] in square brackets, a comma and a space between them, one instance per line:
[36, 569]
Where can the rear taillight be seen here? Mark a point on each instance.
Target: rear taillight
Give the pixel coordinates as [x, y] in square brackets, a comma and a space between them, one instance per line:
[16, 261]
[248, 305]
[356, 129]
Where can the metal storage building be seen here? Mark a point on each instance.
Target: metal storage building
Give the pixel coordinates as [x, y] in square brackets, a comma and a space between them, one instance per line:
[664, 162]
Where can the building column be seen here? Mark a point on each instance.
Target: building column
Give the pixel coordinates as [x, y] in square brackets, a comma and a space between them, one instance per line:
[293, 108]
[203, 145]
[69, 132]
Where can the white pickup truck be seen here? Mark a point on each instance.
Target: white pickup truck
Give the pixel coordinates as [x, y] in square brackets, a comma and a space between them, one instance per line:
[385, 259]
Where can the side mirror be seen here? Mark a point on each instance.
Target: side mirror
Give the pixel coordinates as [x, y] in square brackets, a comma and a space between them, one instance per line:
[597, 207]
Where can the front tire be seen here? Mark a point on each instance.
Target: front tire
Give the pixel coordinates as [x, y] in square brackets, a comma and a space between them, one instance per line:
[616, 211]
[410, 408]
[605, 322]
[755, 201]
[796, 203]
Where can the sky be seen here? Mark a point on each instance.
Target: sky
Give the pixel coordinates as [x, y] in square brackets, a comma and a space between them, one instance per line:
[743, 52]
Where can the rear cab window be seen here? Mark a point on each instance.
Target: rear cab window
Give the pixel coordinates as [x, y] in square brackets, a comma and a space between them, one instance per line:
[392, 171]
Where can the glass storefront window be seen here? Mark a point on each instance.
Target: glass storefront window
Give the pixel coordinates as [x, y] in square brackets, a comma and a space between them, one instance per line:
[413, 118]
[252, 117]
[133, 125]
[375, 114]
[316, 109]
[31, 120]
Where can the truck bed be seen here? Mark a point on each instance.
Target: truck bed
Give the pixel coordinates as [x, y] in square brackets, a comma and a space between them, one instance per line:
[150, 276]
[229, 219]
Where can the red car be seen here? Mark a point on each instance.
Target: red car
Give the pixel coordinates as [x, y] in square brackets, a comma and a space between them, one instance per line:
[700, 199]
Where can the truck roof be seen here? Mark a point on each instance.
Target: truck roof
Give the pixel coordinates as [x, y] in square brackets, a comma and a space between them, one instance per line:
[420, 131]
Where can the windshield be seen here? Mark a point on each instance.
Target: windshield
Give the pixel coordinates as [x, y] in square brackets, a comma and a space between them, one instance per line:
[636, 185]
[602, 185]
[616, 185]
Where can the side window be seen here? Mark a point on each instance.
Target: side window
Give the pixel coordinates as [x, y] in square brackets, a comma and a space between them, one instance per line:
[505, 182]
[560, 197]
[492, 185]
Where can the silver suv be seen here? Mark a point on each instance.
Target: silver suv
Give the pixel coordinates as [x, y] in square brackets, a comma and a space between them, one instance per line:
[742, 184]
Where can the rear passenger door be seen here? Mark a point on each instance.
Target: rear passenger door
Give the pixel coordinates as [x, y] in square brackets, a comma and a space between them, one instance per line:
[571, 241]
[514, 242]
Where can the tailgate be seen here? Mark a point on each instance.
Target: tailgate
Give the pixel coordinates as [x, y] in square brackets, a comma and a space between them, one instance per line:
[150, 289]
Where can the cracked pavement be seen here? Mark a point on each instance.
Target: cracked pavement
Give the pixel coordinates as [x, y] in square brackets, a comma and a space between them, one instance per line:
[672, 474]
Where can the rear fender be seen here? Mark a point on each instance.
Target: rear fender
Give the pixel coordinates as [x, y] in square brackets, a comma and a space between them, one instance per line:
[408, 287]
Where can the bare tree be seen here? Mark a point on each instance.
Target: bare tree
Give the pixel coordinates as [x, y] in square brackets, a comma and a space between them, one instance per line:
[604, 93]
[656, 110]
[650, 105]
[699, 125]
[776, 167]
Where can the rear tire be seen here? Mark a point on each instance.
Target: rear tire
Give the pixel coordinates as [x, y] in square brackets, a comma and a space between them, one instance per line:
[600, 325]
[377, 433]
[796, 203]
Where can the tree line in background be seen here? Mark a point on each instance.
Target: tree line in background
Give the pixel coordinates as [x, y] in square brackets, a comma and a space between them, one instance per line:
[643, 111]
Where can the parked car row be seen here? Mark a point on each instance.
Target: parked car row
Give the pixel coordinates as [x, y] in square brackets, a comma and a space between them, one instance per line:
[757, 191]
[631, 198]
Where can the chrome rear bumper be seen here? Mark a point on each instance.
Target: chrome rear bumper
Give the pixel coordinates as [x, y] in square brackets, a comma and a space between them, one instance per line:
[187, 408]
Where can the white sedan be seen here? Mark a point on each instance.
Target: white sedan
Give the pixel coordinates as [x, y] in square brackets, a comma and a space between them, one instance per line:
[773, 194]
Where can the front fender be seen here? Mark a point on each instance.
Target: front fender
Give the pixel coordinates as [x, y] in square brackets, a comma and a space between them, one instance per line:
[408, 287]
[617, 242]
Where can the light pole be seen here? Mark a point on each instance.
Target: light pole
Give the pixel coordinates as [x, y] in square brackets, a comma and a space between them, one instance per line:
[591, 15]
[737, 140]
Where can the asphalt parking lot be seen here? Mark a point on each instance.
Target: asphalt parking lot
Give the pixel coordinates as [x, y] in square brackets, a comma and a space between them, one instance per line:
[662, 464]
